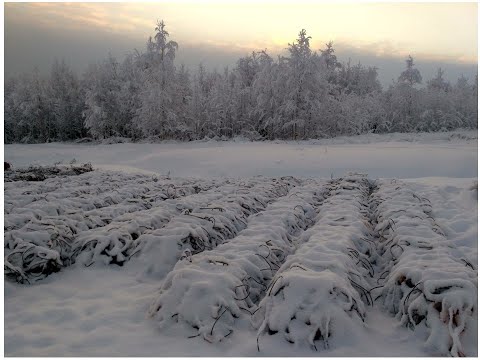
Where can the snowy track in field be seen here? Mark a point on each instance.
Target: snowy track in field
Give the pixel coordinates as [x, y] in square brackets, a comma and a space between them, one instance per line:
[267, 266]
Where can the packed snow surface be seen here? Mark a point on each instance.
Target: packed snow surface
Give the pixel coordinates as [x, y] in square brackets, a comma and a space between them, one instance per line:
[307, 260]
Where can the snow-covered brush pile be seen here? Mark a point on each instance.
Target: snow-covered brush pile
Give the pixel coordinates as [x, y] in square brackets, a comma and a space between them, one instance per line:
[317, 293]
[40, 173]
[206, 224]
[209, 290]
[423, 282]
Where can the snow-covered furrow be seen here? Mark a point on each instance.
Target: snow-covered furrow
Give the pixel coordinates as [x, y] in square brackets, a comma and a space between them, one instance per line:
[103, 216]
[117, 241]
[71, 216]
[83, 206]
[124, 237]
[14, 200]
[83, 181]
[102, 209]
[44, 227]
[54, 235]
[317, 293]
[206, 225]
[209, 290]
[113, 244]
[180, 201]
[58, 232]
[47, 208]
[93, 197]
[22, 193]
[423, 284]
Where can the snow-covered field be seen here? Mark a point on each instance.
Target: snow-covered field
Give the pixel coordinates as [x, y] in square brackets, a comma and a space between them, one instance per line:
[305, 260]
[451, 154]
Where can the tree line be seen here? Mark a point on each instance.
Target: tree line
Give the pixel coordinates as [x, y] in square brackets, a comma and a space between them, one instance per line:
[305, 94]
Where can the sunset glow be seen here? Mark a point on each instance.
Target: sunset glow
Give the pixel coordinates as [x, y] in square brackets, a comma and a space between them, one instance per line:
[440, 31]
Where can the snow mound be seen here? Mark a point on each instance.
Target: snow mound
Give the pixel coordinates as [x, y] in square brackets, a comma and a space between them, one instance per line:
[315, 294]
[423, 282]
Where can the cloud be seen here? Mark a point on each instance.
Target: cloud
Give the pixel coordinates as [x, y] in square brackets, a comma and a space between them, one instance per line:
[113, 18]
[394, 50]
[36, 33]
[212, 24]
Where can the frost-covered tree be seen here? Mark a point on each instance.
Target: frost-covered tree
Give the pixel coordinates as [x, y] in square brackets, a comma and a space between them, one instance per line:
[218, 105]
[12, 114]
[464, 98]
[438, 83]
[359, 97]
[67, 101]
[128, 96]
[156, 115]
[332, 65]
[26, 101]
[183, 95]
[358, 79]
[403, 99]
[197, 106]
[410, 75]
[301, 95]
[328, 55]
[165, 48]
[266, 92]
[305, 88]
[243, 78]
[103, 116]
[437, 110]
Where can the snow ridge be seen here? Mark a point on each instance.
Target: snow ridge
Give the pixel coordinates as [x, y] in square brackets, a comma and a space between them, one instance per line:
[44, 237]
[423, 283]
[207, 224]
[314, 295]
[208, 291]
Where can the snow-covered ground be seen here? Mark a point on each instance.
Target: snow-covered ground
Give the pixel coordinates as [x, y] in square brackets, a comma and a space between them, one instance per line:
[107, 310]
[452, 154]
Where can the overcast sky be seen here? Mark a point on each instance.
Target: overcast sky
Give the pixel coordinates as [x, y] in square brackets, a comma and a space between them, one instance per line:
[217, 34]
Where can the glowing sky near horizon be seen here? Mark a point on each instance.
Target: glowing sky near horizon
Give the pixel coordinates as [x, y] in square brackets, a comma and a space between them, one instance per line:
[436, 31]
